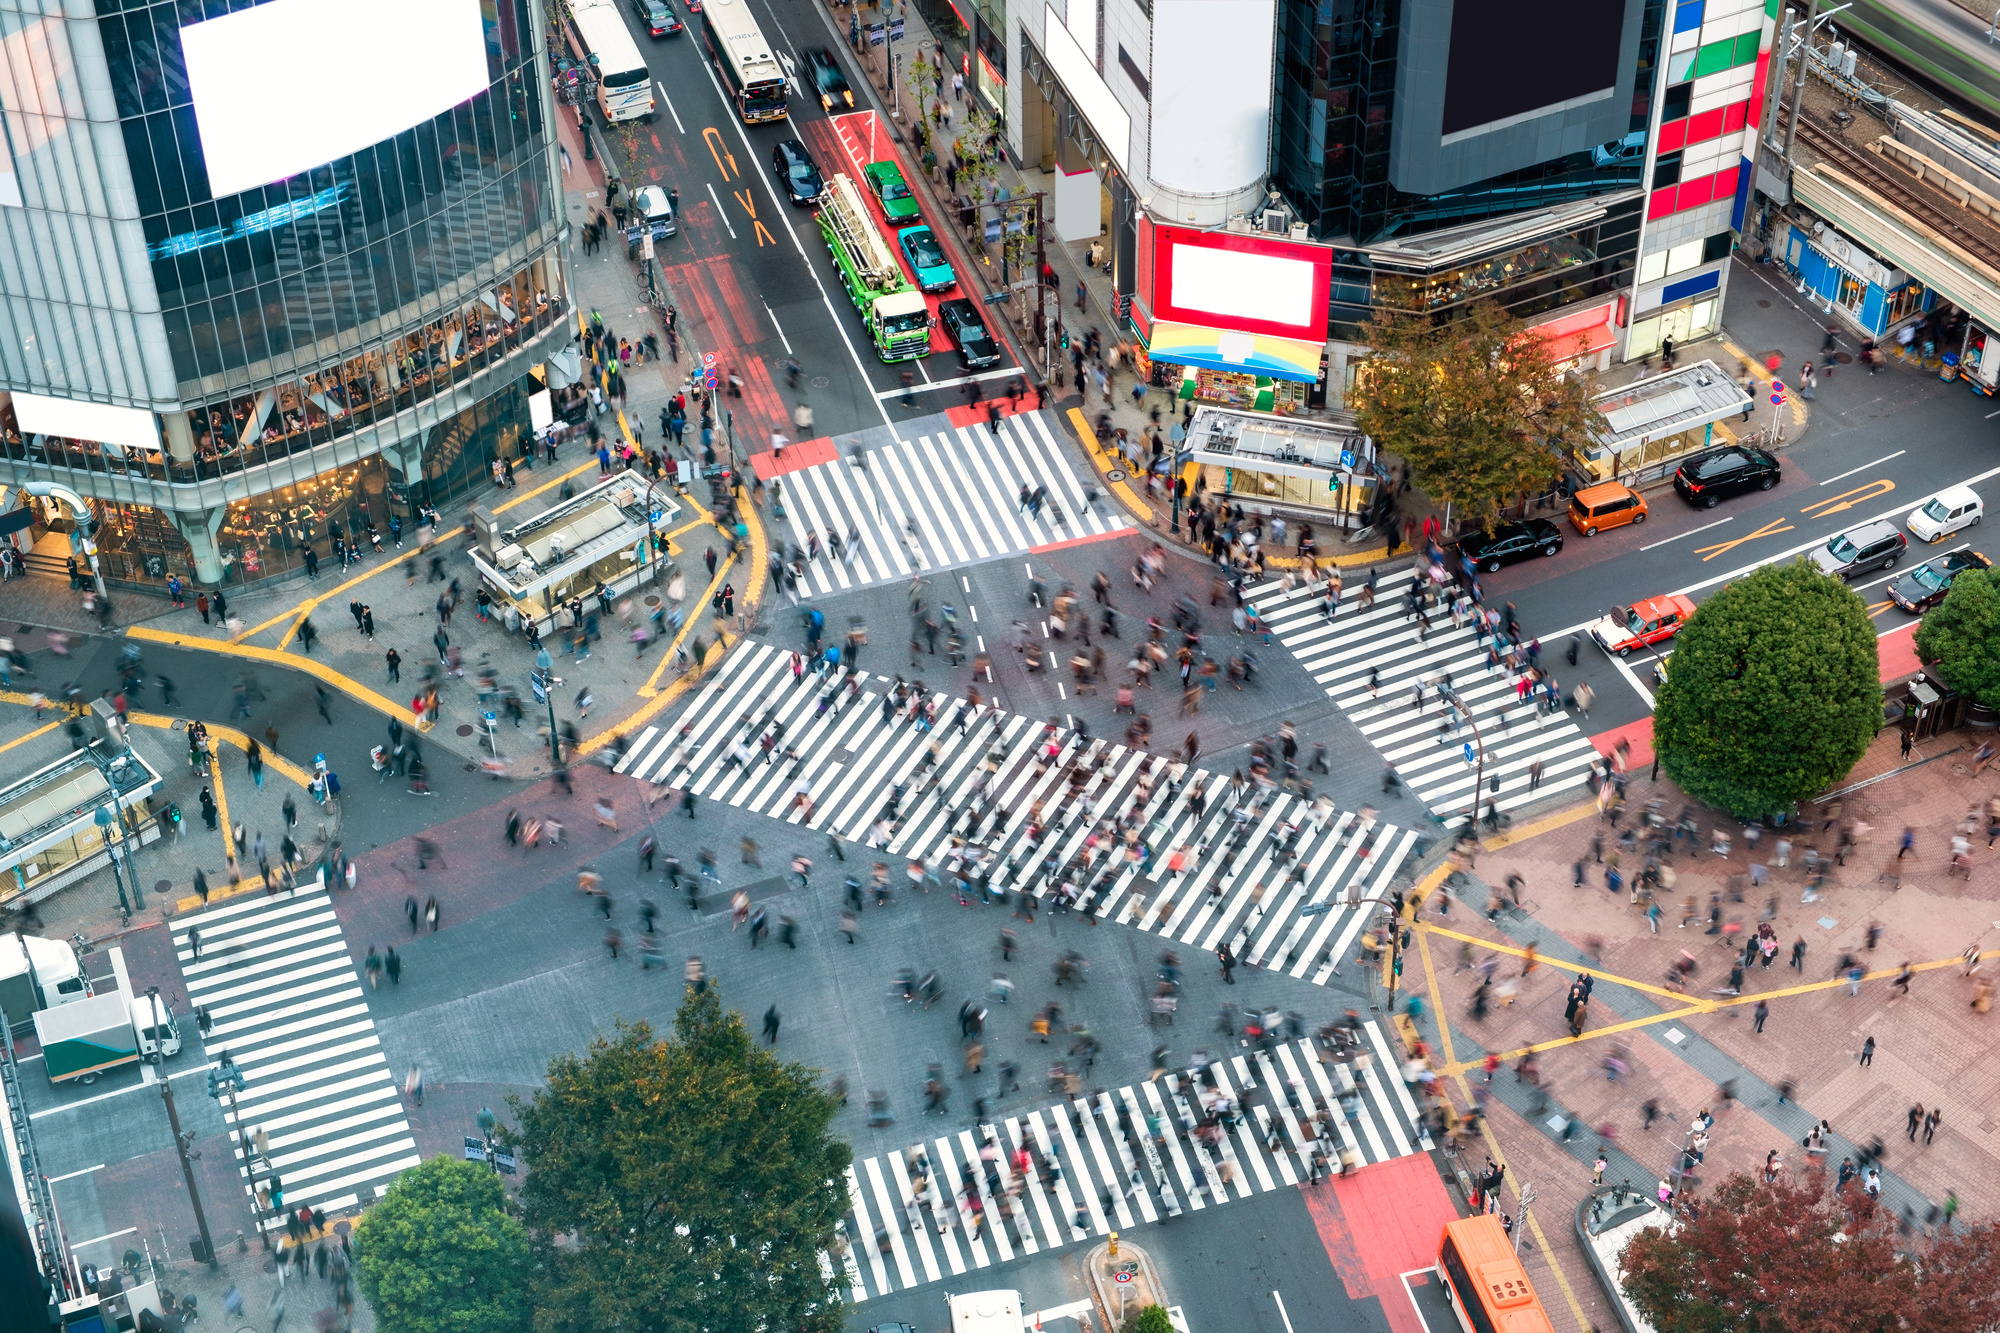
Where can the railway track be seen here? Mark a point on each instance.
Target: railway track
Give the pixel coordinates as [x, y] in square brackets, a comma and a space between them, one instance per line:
[1948, 220]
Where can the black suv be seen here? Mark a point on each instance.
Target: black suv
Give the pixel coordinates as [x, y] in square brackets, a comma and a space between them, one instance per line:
[1877, 545]
[1510, 542]
[1707, 477]
[792, 164]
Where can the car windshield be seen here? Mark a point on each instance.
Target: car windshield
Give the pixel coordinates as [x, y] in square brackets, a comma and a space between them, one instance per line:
[924, 249]
[907, 323]
[1930, 577]
[895, 189]
[1841, 549]
[1937, 509]
[1628, 616]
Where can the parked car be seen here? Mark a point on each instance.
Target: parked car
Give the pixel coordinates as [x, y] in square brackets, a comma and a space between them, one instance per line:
[658, 16]
[793, 165]
[898, 204]
[1510, 542]
[976, 346]
[1925, 586]
[1946, 512]
[927, 261]
[1711, 476]
[828, 81]
[1877, 545]
[1611, 505]
[652, 210]
[1654, 620]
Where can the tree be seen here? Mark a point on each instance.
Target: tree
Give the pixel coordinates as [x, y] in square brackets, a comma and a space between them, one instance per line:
[1152, 1319]
[1774, 693]
[1785, 1258]
[1479, 408]
[684, 1185]
[1963, 636]
[442, 1252]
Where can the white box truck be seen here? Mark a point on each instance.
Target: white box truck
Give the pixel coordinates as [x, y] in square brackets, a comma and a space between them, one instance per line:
[38, 974]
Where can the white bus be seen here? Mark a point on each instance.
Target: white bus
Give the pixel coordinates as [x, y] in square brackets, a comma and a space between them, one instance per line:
[599, 38]
[751, 75]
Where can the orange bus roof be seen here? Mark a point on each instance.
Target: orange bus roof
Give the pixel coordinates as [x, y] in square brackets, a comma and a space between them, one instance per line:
[1488, 1255]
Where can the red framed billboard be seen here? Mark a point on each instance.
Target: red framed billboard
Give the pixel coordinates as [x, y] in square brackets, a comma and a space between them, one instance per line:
[1234, 280]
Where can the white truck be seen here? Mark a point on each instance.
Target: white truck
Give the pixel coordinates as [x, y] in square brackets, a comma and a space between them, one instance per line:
[986, 1312]
[38, 974]
[113, 1028]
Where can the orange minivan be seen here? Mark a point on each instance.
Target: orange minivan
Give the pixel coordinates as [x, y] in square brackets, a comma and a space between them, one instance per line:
[1608, 506]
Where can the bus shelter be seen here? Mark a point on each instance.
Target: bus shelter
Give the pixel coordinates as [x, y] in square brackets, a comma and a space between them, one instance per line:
[599, 539]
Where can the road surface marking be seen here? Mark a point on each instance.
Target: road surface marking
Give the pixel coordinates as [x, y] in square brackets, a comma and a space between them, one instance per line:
[1690, 532]
[670, 107]
[1865, 466]
[720, 213]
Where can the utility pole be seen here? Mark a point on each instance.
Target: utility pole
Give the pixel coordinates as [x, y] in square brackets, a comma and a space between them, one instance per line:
[1043, 327]
[1521, 1208]
[1803, 47]
[183, 1141]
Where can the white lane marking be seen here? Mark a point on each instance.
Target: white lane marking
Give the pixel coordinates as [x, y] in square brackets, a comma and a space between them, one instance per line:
[720, 213]
[1865, 466]
[670, 107]
[1690, 532]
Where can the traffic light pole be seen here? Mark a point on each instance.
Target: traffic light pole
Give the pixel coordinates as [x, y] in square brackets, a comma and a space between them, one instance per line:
[182, 1142]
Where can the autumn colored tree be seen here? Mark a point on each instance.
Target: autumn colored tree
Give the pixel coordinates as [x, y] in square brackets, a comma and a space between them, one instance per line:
[1774, 694]
[682, 1185]
[1789, 1258]
[1480, 408]
[1962, 635]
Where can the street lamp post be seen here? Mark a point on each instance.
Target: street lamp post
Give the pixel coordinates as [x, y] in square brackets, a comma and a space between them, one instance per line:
[183, 1142]
[1476, 752]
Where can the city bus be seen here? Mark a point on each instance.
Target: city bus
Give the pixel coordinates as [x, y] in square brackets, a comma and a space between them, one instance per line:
[1484, 1279]
[599, 38]
[751, 75]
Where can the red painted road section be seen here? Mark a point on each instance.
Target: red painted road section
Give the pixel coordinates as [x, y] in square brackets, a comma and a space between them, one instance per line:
[805, 454]
[1379, 1223]
[974, 414]
[1898, 652]
[1046, 547]
[1639, 734]
[857, 139]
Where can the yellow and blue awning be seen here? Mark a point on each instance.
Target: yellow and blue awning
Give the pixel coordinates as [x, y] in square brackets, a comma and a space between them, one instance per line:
[1235, 352]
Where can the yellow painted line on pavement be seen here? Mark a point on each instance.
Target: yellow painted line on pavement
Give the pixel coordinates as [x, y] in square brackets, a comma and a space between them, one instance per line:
[311, 665]
[1764, 377]
[526, 496]
[298, 613]
[1558, 964]
[1139, 507]
[1560, 819]
[42, 730]
[667, 656]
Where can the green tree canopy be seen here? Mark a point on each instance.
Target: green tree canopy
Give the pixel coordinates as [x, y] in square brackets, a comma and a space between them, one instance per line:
[1774, 692]
[1785, 1258]
[1478, 408]
[1152, 1319]
[684, 1185]
[1962, 635]
[442, 1252]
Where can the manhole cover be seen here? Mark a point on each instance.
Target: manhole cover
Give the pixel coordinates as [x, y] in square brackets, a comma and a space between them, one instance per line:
[1961, 770]
[821, 381]
[1763, 305]
[1867, 809]
[1844, 358]
[465, 728]
[652, 599]
[163, 886]
[1116, 474]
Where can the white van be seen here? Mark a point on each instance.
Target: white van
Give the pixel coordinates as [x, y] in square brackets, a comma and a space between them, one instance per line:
[1946, 512]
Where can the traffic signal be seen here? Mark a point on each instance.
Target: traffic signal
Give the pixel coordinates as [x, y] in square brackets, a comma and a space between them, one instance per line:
[1062, 339]
[214, 1086]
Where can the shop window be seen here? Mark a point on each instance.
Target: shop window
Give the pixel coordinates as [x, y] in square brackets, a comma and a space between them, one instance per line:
[1717, 246]
[1677, 101]
[1666, 170]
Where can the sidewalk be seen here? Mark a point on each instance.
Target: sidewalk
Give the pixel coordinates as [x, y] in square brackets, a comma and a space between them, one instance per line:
[1679, 1051]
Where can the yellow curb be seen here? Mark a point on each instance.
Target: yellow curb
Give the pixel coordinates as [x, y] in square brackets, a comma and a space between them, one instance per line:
[1560, 819]
[1764, 377]
[1124, 492]
[298, 613]
[526, 496]
[299, 661]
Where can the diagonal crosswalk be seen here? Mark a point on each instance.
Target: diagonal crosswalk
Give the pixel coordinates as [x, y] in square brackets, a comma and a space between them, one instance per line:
[288, 1007]
[937, 501]
[1371, 660]
[981, 799]
[1267, 1118]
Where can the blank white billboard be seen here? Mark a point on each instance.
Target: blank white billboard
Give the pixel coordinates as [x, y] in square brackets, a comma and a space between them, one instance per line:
[73, 420]
[292, 84]
[1243, 286]
[1212, 93]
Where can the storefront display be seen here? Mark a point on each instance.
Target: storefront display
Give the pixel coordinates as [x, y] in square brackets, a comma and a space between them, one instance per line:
[1255, 393]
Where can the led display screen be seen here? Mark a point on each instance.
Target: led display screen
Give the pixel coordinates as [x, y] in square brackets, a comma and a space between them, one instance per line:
[291, 84]
[1512, 61]
[1229, 280]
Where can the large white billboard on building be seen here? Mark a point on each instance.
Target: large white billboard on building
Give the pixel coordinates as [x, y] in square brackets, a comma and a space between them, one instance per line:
[290, 84]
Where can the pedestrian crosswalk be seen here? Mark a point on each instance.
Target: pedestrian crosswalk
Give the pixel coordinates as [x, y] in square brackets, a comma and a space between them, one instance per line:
[1286, 882]
[934, 502]
[288, 1008]
[1372, 661]
[1111, 1160]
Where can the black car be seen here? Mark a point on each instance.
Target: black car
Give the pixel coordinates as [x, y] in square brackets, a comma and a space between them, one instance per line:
[1706, 478]
[658, 16]
[1510, 542]
[1925, 586]
[968, 333]
[828, 81]
[794, 166]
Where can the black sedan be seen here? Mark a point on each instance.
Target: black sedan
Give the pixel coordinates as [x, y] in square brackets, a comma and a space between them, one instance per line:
[827, 79]
[658, 16]
[968, 333]
[793, 165]
[1510, 542]
[1925, 586]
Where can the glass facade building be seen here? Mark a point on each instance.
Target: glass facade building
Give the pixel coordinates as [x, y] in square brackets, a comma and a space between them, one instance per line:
[329, 348]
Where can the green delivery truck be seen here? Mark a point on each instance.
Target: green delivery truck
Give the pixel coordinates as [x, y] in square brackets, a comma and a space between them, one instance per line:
[897, 317]
[82, 1040]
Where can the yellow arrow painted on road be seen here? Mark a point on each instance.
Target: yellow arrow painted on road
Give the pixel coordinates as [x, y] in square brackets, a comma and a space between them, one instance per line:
[1774, 526]
[1860, 495]
[720, 152]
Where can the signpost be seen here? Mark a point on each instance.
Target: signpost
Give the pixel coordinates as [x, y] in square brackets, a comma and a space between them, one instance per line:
[477, 1150]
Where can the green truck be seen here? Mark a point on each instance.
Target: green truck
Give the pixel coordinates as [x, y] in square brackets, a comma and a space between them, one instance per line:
[898, 318]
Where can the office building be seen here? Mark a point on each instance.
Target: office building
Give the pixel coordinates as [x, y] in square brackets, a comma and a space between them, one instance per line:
[269, 272]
